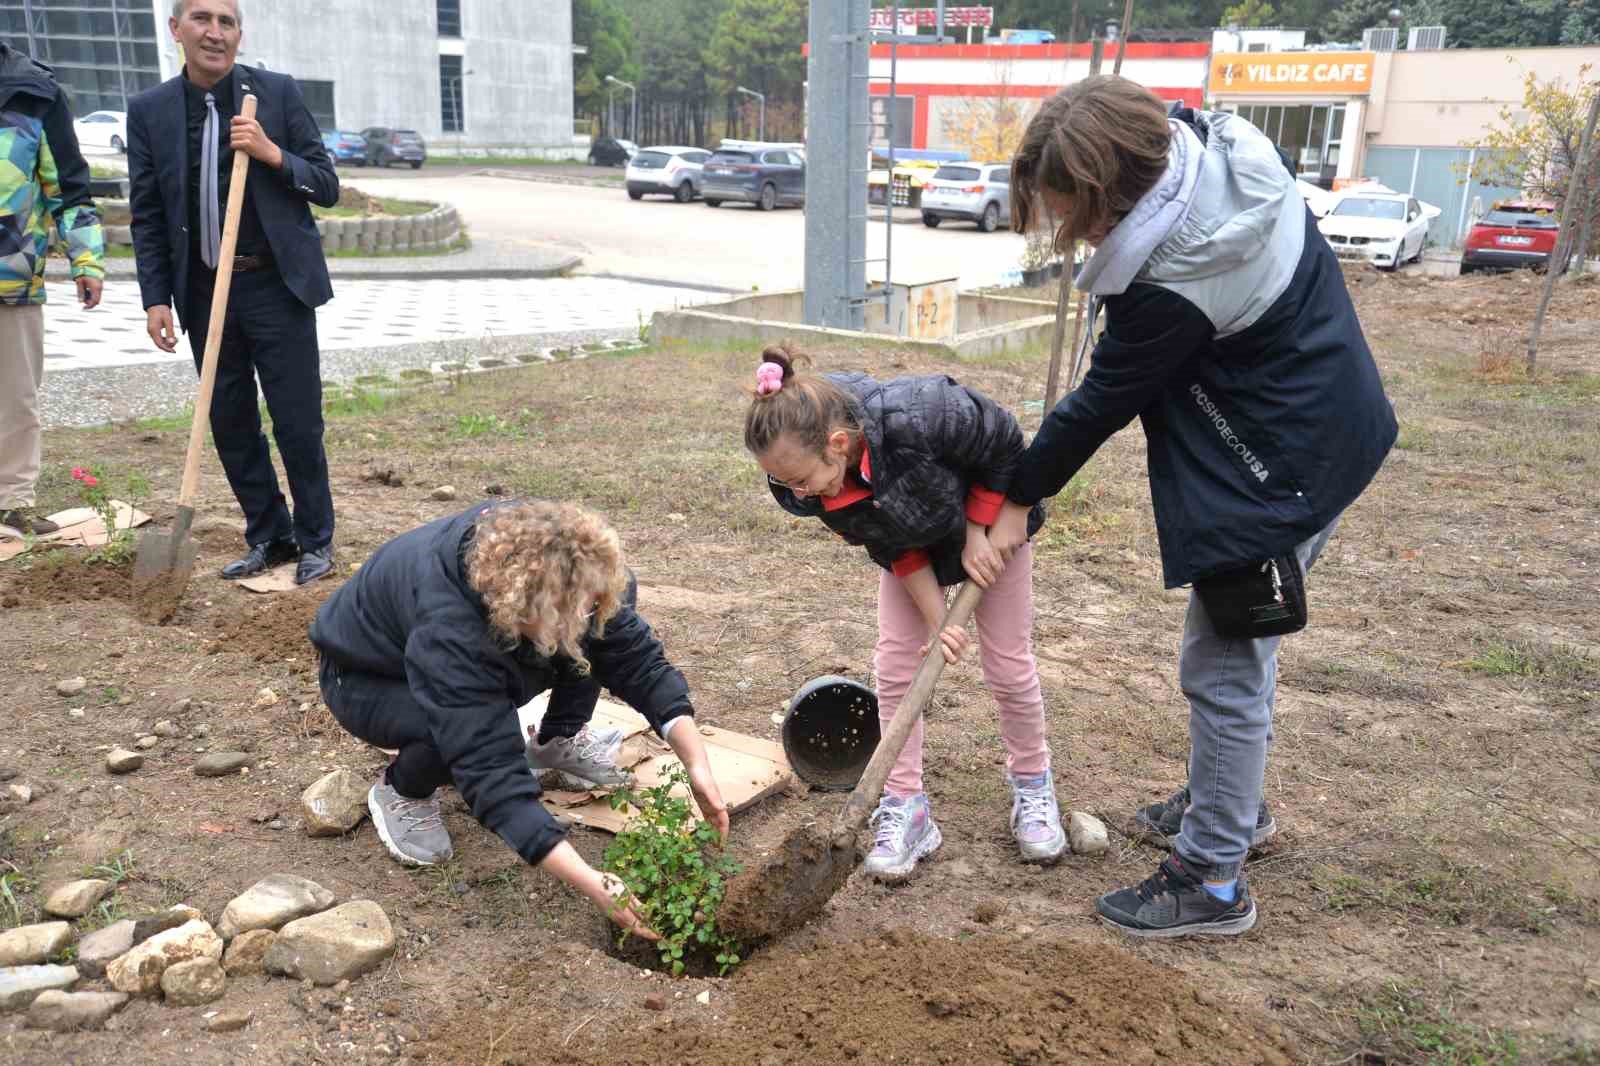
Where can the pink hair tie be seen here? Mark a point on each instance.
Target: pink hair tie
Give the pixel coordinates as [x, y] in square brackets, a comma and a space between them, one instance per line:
[769, 379]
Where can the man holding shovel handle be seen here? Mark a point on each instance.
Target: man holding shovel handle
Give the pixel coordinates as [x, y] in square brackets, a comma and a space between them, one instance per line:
[181, 138]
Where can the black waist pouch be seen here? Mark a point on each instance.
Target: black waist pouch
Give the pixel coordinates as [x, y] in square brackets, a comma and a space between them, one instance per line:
[1265, 599]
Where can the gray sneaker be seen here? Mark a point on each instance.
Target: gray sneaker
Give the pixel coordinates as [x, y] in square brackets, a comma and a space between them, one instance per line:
[589, 759]
[905, 833]
[1163, 821]
[1036, 818]
[411, 829]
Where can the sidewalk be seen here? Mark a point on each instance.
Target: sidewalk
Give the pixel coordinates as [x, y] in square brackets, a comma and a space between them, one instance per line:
[485, 259]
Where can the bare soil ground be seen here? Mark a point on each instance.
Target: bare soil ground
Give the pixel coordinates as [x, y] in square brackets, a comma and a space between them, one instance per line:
[1432, 897]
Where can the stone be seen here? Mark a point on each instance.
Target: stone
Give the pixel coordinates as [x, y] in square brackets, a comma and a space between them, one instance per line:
[28, 945]
[185, 912]
[23, 793]
[21, 985]
[247, 953]
[123, 761]
[655, 1002]
[139, 971]
[166, 729]
[347, 941]
[145, 743]
[76, 898]
[151, 924]
[266, 698]
[71, 686]
[222, 763]
[66, 1011]
[334, 804]
[442, 494]
[96, 950]
[229, 1021]
[1088, 834]
[191, 983]
[271, 902]
[704, 998]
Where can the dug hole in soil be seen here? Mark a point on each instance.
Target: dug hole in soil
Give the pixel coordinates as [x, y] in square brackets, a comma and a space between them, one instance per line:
[911, 998]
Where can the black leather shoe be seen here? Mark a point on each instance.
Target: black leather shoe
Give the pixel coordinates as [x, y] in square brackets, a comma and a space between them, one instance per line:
[314, 564]
[261, 558]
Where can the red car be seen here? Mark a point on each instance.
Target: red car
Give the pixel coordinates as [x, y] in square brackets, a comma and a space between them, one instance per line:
[1514, 234]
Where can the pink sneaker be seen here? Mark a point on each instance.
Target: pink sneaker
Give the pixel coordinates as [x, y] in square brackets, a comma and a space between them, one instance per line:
[905, 833]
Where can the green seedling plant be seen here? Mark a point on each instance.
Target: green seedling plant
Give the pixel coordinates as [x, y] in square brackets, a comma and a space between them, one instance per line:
[678, 872]
[118, 547]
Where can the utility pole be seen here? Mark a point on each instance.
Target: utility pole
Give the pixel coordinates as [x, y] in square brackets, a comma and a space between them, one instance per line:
[836, 164]
[762, 97]
[633, 105]
[1122, 34]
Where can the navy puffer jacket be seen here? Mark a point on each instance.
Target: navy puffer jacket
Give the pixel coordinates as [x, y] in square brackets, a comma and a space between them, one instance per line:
[929, 441]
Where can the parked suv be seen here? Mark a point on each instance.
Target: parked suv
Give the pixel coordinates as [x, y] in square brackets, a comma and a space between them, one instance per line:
[972, 192]
[611, 152]
[766, 177]
[670, 171]
[385, 146]
[1516, 234]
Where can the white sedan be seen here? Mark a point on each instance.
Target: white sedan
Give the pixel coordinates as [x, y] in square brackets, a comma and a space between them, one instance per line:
[103, 129]
[1382, 228]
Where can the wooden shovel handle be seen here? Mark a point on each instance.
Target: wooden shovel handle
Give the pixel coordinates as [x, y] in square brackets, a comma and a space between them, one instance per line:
[219, 313]
[865, 795]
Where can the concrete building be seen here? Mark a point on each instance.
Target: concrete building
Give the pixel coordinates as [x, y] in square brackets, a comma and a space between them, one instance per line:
[1410, 119]
[479, 76]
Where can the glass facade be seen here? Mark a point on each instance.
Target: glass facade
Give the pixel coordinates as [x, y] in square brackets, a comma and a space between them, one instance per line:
[103, 51]
[450, 111]
[449, 12]
[1312, 134]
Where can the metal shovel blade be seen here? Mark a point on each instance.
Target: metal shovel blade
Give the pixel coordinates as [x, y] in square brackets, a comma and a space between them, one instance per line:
[161, 572]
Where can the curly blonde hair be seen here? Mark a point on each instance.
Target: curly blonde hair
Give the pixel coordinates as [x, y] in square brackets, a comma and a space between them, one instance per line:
[543, 565]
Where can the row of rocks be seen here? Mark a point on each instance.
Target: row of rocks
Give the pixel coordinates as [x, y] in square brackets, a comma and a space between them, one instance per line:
[283, 924]
[212, 764]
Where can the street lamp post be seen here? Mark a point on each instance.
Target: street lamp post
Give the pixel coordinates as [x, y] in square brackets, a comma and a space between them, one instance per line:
[633, 105]
[762, 97]
[455, 105]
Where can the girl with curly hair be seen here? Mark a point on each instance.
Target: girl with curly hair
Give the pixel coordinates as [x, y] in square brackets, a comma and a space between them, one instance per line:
[446, 630]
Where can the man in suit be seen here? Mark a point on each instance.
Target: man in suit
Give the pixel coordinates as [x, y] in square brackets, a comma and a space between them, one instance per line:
[181, 139]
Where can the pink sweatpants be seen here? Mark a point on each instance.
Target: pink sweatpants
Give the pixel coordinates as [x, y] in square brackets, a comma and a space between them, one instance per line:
[1005, 639]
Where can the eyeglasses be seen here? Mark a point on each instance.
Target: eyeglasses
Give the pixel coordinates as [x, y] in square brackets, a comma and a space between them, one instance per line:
[790, 485]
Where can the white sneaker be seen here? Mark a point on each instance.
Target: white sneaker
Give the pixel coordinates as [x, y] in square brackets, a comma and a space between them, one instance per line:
[1036, 818]
[906, 833]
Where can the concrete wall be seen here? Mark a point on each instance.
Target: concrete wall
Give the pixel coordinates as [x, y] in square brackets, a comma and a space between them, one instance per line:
[383, 58]
[1446, 98]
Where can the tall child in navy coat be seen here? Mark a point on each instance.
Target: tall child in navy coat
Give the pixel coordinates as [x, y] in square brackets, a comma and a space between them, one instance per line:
[1230, 334]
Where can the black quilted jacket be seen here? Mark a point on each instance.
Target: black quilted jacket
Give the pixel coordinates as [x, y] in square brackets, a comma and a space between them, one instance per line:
[929, 440]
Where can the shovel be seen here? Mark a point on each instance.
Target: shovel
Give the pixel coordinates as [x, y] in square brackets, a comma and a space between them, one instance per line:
[165, 561]
[793, 885]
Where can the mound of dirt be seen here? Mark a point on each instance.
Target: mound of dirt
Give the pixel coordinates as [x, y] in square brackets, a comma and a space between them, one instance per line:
[72, 579]
[910, 998]
[273, 629]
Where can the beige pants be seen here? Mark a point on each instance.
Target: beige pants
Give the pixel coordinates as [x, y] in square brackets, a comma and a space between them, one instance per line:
[21, 370]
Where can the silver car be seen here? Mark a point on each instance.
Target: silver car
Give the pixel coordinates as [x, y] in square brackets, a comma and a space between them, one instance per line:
[971, 192]
[669, 170]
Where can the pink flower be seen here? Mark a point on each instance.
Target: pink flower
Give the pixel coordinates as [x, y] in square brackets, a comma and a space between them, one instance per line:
[90, 480]
[78, 473]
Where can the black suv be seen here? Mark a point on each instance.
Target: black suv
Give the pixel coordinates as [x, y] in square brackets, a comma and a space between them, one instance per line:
[610, 152]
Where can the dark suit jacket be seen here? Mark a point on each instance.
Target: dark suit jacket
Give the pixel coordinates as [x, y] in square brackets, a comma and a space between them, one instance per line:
[158, 171]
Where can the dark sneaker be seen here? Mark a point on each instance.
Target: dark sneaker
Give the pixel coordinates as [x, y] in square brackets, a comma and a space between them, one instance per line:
[589, 758]
[904, 834]
[1173, 902]
[24, 522]
[1164, 820]
[261, 558]
[412, 829]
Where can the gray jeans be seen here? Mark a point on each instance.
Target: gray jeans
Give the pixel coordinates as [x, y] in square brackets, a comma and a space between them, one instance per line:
[1231, 684]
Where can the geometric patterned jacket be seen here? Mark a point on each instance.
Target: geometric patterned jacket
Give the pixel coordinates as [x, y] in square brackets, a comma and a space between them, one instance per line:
[43, 178]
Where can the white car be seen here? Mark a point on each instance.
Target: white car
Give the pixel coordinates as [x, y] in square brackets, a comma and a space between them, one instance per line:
[667, 170]
[974, 192]
[1317, 198]
[103, 129]
[1382, 228]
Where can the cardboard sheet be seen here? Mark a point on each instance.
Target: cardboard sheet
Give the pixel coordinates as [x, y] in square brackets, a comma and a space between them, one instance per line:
[747, 769]
[278, 579]
[81, 527]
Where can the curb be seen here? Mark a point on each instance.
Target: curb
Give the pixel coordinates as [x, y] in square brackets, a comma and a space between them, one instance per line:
[548, 179]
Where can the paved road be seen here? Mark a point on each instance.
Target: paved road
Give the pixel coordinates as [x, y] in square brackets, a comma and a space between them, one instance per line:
[733, 247]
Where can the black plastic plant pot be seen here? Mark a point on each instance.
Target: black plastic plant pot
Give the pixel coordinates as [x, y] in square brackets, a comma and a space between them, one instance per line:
[831, 731]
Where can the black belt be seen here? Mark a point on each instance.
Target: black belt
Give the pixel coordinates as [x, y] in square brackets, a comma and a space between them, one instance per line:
[244, 263]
